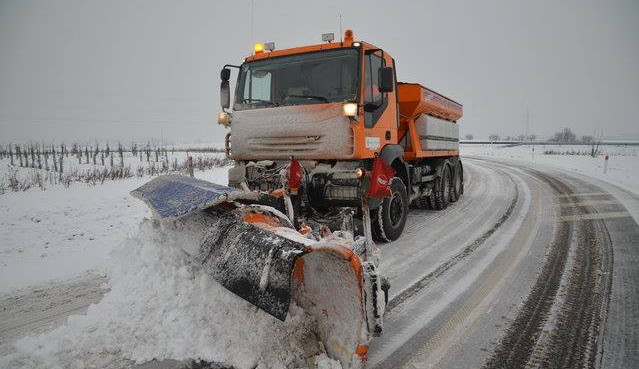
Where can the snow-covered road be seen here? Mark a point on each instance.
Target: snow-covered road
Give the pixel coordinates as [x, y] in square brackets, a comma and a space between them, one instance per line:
[531, 266]
[520, 272]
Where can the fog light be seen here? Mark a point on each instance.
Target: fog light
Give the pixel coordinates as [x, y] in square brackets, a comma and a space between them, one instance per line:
[359, 172]
[224, 119]
[350, 109]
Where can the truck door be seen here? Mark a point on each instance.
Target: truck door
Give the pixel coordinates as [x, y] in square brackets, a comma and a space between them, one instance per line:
[380, 110]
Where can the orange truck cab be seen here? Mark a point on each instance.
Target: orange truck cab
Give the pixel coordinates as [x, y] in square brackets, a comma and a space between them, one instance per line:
[333, 108]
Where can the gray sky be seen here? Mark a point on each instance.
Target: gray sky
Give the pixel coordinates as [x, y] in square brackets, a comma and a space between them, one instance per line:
[134, 70]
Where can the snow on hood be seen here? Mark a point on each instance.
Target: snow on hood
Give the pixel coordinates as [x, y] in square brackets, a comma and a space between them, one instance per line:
[318, 131]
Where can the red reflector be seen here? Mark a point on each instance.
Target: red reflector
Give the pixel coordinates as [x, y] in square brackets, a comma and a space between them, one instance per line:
[295, 176]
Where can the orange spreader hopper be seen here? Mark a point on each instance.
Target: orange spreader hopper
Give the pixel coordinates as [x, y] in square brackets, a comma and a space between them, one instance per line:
[415, 100]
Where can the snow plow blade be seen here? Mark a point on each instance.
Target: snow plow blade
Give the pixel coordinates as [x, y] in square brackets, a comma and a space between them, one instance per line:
[254, 252]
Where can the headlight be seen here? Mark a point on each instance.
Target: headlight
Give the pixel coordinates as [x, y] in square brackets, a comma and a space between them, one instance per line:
[224, 119]
[360, 172]
[350, 109]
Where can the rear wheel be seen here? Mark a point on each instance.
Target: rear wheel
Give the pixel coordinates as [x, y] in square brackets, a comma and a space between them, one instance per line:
[389, 219]
[441, 192]
[457, 188]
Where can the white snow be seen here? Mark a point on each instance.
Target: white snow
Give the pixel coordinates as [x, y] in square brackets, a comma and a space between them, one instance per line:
[324, 362]
[161, 307]
[622, 170]
[62, 232]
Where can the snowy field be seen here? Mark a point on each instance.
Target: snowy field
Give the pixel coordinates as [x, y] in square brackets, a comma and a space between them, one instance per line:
[24, 166]
[622, 168]
[61, 231]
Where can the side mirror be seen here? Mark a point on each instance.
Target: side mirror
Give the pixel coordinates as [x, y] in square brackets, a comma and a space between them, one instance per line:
[225, 74]
[225, 93]
[386, 79]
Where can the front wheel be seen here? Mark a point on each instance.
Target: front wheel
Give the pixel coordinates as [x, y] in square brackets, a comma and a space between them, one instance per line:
[389, 219]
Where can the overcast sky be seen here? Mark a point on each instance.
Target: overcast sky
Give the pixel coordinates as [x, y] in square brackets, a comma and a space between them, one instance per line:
[137, 70]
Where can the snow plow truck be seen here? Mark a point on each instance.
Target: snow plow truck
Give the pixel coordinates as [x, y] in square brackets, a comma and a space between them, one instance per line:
[330, 152]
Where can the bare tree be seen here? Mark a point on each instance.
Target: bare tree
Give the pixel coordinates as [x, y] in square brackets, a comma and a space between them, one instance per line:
[564, 136]
[54, 159]
[33, 155]
[121, 152]
[596, 141]
[95, 153]
[19, 154]
[46, 159]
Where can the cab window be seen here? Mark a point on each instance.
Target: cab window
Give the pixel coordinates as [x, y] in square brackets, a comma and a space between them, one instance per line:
[257, 87]
[374, 100]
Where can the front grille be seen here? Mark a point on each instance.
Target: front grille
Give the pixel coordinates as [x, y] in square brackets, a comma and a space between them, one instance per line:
[288, 144]
[263, 179]
[341, 193]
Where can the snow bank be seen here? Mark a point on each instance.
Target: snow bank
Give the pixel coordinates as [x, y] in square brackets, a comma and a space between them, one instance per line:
[161, 307]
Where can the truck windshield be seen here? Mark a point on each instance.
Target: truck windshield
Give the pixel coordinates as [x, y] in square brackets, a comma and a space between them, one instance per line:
[312, 78]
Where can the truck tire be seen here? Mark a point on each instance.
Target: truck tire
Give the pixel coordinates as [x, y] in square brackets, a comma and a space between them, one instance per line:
[457, 186]
[389, 219]
[441, 192]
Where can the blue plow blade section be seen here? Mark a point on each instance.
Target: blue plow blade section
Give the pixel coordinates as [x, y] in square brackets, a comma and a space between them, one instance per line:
[173, 196]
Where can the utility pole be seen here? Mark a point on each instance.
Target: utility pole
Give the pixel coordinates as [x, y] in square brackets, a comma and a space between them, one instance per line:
[527, 122]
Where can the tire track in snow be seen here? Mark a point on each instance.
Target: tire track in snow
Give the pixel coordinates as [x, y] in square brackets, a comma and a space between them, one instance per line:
[432, 237]
[447, 264]
[573, 341]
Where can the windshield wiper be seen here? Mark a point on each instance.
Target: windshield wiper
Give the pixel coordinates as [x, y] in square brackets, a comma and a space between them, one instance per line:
[316, 97]
[272, 103]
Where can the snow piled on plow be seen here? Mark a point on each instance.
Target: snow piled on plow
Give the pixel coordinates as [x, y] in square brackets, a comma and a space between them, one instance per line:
[160, 306]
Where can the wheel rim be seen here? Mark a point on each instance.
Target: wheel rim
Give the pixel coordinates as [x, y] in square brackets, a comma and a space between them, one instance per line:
[395, 209]
[457, 180]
